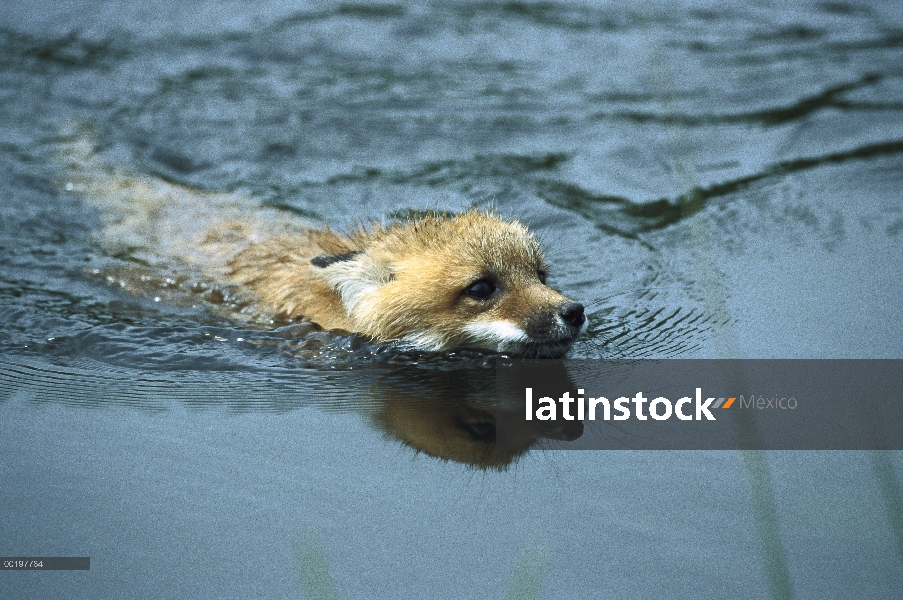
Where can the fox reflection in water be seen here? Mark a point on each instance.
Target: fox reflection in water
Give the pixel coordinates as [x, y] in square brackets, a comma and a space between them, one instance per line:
[432, 283]
[456, 415]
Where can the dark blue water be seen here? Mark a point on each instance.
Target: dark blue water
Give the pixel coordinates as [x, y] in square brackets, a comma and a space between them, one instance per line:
[711, 179]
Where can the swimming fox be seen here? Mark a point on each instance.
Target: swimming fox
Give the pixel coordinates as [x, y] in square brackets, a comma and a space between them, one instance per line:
[432, 283]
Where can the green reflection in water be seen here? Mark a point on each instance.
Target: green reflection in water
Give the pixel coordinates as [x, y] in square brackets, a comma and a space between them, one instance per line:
[526, 581]
[313, 566]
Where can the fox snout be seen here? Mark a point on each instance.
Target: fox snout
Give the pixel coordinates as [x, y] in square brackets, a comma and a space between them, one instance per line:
[572, 314]
[554, 323]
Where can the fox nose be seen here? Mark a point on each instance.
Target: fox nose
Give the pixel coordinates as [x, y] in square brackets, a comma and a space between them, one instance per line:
[572, 314]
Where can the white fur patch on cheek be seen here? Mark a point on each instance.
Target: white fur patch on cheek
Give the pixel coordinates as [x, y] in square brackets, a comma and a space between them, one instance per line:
[496, 332]
[423, 340]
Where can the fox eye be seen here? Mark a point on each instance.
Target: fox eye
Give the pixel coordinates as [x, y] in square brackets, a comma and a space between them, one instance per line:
[480, 290]
[542, 277]
[482, 431]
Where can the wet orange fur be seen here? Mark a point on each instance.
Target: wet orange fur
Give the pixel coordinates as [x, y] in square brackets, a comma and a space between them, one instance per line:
[405, 281]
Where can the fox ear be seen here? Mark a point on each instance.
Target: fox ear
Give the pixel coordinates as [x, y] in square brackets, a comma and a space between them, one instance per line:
[353, 275]
[324, 260]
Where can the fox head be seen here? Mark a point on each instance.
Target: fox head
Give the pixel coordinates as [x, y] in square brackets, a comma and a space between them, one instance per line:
[467, 281]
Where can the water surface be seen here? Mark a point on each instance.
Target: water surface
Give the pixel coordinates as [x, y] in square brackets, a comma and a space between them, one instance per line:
[712, 180]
